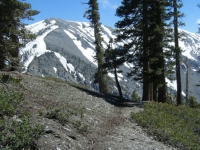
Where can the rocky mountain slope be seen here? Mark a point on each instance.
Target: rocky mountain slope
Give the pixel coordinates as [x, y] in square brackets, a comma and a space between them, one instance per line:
[78, 119]
[65, 50]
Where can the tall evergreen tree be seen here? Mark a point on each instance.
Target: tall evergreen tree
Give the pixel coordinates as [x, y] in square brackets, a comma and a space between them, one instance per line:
[177, 4]
[144, 26]
[133, 27]
[187, 81]
[93, 15]
[12, 30]
[159, 46]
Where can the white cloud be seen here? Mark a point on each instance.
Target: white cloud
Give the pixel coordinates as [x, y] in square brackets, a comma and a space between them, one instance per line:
[108, 3]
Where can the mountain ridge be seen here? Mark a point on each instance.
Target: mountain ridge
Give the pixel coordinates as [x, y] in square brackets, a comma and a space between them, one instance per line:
[65, 49]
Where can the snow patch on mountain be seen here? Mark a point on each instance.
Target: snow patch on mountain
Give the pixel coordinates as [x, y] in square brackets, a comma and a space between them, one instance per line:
[109, 32]
[81, 76]
[62, 60]
[41, 25]
[55, 69]
[38, 46]
[190, 44]
[173, 85]
[71, 67]
[88, 53]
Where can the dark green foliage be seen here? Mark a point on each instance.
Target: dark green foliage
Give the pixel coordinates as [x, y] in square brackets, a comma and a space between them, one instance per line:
[177, 4]
[112, 62]
[145, 25]
[93, 15]
[4, 78]
[135, 96]
[192, 102]
[13, 34]
[177, 126]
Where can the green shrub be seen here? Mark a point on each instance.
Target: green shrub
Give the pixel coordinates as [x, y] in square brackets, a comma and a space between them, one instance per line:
[5, 78]
[62, 114]
[59, 114]
[178, 126]
[81, 127]
[135, 96]
[16, 132]
[192, 102]
[9, 100]
[19, 134]
[53, 113]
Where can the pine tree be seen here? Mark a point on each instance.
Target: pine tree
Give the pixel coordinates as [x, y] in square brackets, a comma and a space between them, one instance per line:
[93, 15]
[159, 42]
[187, 81]
[13, 33]
[177, 4]
[144, 26]
[133, 27]
[112, 62]
[135, 96]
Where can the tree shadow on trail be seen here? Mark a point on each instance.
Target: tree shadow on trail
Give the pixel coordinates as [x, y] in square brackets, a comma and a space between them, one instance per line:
[112, 99]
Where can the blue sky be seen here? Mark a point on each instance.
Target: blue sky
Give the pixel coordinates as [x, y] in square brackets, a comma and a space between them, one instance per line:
[73, 10]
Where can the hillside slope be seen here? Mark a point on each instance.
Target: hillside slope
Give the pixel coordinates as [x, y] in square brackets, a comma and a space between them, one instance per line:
[78, 119]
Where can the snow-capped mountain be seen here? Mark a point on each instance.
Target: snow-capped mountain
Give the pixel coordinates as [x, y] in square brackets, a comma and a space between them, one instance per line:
[65, 50]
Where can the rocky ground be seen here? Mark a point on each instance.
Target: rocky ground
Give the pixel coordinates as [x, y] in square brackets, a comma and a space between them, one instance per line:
[78, 119]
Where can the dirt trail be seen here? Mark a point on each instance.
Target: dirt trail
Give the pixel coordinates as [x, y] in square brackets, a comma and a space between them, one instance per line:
[92, 123]
[118, 132]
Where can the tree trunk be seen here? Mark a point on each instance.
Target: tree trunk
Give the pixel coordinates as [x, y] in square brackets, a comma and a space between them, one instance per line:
[187, 81]
[146, 93]
[161, 57]
[2, 53]
[2, 64]
[151, 91]
[117, 83]
[162, 90]
[177, 53]
[155, 91]
[99, 59]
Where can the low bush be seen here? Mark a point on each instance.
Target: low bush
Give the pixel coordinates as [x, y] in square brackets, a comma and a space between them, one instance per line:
[62, 114]
[19, 134]
[16, 130]
[178, 126]
[135, 96]
[9, 100]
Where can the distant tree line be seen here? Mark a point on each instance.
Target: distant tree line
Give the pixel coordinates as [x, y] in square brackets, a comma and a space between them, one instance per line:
[13, 33]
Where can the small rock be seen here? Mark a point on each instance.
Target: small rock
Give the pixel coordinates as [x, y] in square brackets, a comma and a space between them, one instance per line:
[57, 135]
[72, 137]
[48, 131]
[67, 129]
